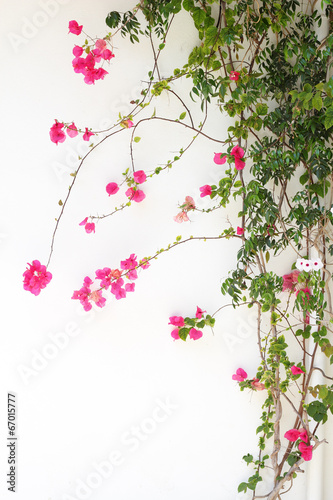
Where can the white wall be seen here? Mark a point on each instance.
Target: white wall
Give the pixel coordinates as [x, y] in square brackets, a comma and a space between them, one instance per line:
[120, 365]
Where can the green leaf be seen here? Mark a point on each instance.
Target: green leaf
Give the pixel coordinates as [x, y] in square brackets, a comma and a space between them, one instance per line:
[261, 108]
[323, 391]
[182, 115]
[317, 101]
[198, 16]
[242, 487]
[137, 139]
[113, 19]
[328, 117]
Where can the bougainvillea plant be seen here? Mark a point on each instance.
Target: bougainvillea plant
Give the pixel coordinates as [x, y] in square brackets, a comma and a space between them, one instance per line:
[266, 65]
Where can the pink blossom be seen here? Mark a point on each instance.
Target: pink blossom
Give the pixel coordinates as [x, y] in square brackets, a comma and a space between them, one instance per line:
[234, 76]
[79, 64]
[97, 297]
[199, 313]
[175, 334]
[132, 274]
[205, 190]
[117, 290]
[135, 194]
[107, 55]
[100, 44]
[89, 227]
[195, 334]
[295, 370]
[36, 277]
[85, 295]
[181, 217]
[240, 375]
[304, 436]
[258, 386]
[84, 222]
[176, 321]
[219, 159]
[112, 188]
[56, 133]
[77, 51]
[144, 263]
[290, 280]
[189, 203]
[238, 153]
[87, 135]
[139, 176]
[74, 28]
[129, 263]
[107, 276]
[129, 287]
[240, 231]
[72, 130]
[127, 123]
[306, 451]
[292, 435]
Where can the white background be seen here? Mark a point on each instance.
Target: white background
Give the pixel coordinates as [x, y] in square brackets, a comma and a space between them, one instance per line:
[119, 366]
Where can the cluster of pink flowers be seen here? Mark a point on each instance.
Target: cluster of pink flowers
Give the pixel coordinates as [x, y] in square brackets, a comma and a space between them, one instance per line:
[57, 133]
[290, 282]
[110, 278]
[180, 323]
[188, 205]
[86, 65]
[241, 376]
[237, 152]
[36, 277]
[133, 193]
[305, 449]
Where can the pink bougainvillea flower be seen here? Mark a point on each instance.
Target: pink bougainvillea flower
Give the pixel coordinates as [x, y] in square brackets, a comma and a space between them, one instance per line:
[295, 370]
[175, 334]
[234, 76]
[74, 28]
[107, 55]
[306, 451]
[84, 222]
[240, 375]
[56, 133]
[86, 296]
[258, 386]
[176, 321]
[97, 297]
[199, 313]
[303, 435]
[139, 176]
[77, 51]
[290, 280]
[89, 227]
[189, 203]
[79, 64]
[205, 190]
[100, 44]
[144, 263]
[112, 188]
[135, 194]
[132, 274]
[292, 435]
[195, 334]
[240, 231]
[219, 159]
[129, 263]
[36, 277]
[127, 123]
[72, 130]
[87, 135]
[130, 287]
[181, 217]
[238, 153]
